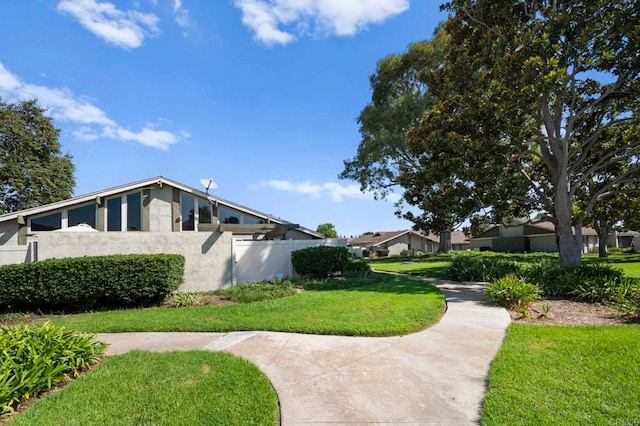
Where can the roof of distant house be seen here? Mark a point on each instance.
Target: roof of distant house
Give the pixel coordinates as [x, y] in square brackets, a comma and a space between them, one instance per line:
[378, 238]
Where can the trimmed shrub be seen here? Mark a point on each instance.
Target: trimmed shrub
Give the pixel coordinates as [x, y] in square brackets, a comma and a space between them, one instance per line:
[320, 261]
[589, 282]
[383, 252]
[512, 292]
[38, 357]
[356, 266]
[482, 268]
[87, 282]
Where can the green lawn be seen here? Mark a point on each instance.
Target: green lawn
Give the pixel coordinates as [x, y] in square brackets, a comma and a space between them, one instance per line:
[579, 375]
[391, 305]
[175, 388]
[434, 267]
[629, 263]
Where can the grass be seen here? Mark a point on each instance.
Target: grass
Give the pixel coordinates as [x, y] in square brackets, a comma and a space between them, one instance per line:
[174, 388]
[428, 267]
[565, 375]
[390, 305]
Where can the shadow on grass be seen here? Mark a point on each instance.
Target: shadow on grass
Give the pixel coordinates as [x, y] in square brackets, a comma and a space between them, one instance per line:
[374, 282]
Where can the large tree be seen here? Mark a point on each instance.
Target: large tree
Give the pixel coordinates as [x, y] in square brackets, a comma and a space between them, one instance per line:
[328, 230]
[33, 171]
[385, 163]
[539, 81]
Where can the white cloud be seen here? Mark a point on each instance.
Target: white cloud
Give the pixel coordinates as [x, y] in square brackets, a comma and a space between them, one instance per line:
[302, 17]
[64, 106]
[333, 190]
[125, 29]
[181, 14]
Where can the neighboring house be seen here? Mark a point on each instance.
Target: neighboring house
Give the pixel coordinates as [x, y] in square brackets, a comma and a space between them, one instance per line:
[622, 239]
[396, 242]
[460, 241]
[528, 237]
[155, 215]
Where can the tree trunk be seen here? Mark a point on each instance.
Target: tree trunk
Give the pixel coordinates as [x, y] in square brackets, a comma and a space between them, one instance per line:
[569, 244]
[445, 242]
[603, 232]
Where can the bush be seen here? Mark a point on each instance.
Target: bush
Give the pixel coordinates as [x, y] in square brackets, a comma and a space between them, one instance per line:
[255, 292]
[87, 282]
[481, 268]
[183, 299]
[406, 253]
[356, 266]
[512, 292]
[366, 252]
[590, 282]
[38, 357]
[627, 297]
[320, 261]
[383, 252]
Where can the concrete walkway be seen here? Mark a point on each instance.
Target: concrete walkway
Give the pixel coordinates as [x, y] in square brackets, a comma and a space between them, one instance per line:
[436, 376]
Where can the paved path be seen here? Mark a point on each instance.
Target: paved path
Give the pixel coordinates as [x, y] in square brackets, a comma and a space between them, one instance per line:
[436, 376]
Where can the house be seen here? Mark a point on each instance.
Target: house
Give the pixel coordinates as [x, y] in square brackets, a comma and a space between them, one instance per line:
[623, 239]
[155, 215]
[396, 242]
[459, 241]
[523, 236]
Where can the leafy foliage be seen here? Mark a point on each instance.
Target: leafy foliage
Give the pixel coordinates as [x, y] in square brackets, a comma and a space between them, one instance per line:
[512, 292]
[320, 261]
[37, 357]
[33, 171]
[255, 292]
[181, 299]
[481, 268]
[85, 282]
[328, 229]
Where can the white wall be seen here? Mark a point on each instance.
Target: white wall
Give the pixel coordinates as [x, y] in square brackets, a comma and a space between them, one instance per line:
[160, 213]
[12, 254]
[207, 255]
[9, 233]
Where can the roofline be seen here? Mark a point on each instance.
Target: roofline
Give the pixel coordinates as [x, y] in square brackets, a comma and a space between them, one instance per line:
[158, 180]
[408, 231]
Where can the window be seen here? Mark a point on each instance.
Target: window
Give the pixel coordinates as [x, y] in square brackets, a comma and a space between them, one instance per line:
[226, 215]
[134, 211]
[84, 214]
[204, 211]
[252, 220]
[187, 205]
[114, 214]
[49, 222]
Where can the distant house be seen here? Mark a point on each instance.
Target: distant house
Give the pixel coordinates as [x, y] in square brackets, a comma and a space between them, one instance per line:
[396, 242]
[460, 241]
[527, 237]
[622, 239]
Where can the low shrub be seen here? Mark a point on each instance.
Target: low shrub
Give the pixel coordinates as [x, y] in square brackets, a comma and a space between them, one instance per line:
[406, 253]
[181, 299]
[38, 357]
[588, 282]
[512, 292]
[88, 282]
[255, 292]
[366, 253]
[482, 268]
[627, 297]
[320, 261]
[356, 266]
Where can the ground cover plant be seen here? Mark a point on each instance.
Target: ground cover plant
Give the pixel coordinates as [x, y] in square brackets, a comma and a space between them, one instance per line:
[256, 292]
[565, 375]
[373, 305]
[38, 357]
[174, 388]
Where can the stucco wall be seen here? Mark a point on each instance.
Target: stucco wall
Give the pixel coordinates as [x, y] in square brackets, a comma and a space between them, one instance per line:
[477, 243]
[543, 243]
[207, 255]
[395, 247]
[9, 233]
[511, 231]
[160, 214]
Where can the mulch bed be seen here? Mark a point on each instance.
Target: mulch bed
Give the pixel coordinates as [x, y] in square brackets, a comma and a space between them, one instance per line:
[568, 312]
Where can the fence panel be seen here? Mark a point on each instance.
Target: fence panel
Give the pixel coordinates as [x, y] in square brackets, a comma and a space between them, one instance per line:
[10, 255]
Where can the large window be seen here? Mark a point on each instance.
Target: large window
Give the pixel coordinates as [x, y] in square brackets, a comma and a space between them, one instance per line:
[226, 215]
[114, 214]
[252, 220]
[84, 214]
[134, 212]
[204, 211]
[49, 222]
[187, 205]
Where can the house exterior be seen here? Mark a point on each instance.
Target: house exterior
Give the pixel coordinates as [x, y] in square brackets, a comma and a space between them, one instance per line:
[524, 237]
[460, 241]
[623, 239]
[396, 242]
[155, 215]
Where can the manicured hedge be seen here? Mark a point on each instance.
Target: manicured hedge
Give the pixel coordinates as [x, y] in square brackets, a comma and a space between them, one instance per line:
[87, 282]
[320, 261]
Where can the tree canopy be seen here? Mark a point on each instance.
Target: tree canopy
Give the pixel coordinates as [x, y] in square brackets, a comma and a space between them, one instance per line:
[328, 229]
[33, 171]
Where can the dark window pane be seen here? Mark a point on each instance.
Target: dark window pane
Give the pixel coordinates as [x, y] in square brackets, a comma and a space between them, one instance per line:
[49, 222]
[252, 220]
[187, 213]
[134, 212]
[226, 215]
[85, 214]
[204, 211]
[114, 214]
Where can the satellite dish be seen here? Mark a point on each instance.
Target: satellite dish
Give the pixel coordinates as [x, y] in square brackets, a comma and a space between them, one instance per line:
[208, 184]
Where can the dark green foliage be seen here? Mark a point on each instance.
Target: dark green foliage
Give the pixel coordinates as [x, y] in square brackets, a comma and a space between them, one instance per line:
[482, 268]
[320, 261]
[37, 357]
[383, 252]
[512, 292]
[627, 297]
[88, 282]
[255, 292]
[33, 171]
[366, 252]
[357, 266]
[582, 282]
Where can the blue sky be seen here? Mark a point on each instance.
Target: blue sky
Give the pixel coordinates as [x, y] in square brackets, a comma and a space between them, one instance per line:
[260, 95]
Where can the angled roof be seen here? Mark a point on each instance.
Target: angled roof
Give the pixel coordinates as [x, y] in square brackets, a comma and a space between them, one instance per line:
[545, 225]
[158, 180]
[378, 238]
[459, 237]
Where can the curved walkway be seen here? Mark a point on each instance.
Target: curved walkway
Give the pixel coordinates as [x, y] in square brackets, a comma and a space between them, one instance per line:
[436, 376]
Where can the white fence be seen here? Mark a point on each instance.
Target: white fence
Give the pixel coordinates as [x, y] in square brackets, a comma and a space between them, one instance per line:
[10, 255]
[256, 261]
